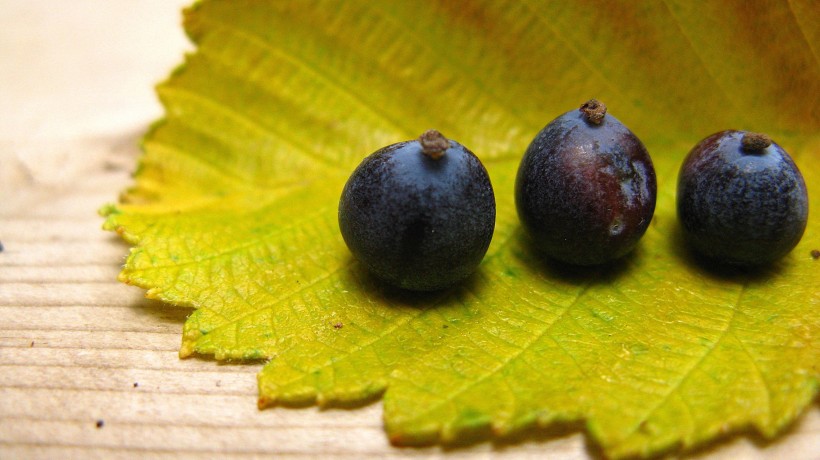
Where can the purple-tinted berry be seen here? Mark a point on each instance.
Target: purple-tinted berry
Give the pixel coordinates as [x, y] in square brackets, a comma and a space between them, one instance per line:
[419, 214]
[585, 190]
[741, 199]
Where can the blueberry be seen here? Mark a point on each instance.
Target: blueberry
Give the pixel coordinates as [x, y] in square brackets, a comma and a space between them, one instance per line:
[585, 190]
[741, 199]
[419, 214]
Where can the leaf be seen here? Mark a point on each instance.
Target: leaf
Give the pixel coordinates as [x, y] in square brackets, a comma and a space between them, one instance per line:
[234, 214]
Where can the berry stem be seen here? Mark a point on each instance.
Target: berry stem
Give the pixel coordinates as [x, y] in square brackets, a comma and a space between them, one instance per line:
[755, 142]
[594, 111]
[433, 144]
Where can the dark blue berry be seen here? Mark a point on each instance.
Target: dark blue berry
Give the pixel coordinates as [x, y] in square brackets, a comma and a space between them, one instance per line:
[741, 199]
[585, 190]
[419, 214]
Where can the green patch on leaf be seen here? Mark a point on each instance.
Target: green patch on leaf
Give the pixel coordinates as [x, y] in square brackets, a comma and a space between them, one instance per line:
[234, 213]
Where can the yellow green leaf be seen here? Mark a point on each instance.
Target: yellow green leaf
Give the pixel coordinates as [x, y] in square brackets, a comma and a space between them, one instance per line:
[234, 213]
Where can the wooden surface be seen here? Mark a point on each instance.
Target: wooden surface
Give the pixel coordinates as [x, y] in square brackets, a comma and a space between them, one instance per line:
[76, 347]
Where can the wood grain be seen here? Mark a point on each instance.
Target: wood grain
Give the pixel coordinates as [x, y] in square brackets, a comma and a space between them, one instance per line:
[76, 346]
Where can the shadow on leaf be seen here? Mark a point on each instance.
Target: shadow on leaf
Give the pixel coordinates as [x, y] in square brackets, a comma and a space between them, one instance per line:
[379, 291]
[693, 261]
[533, 435]
[528, 254]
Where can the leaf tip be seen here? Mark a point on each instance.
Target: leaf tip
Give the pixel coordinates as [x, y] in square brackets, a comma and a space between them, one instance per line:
[265, 402]
[397, 439]
[191, 23]
[153, 294]
[124, 278]
[108, 210]
[426, 436]
[500, 428]
[186, 350]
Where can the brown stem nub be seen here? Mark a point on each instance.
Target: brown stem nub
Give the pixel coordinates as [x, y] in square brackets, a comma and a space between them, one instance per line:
[433, 144]
[594, 111]
[755, 142]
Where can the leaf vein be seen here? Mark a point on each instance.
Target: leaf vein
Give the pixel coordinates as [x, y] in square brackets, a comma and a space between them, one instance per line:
[580, 56]
[316, 74]
[700, 58]
[687, 373]
[458, 66]
[249, 244]
[812, 45]
[219, 108]
[377, 337]
[759, 372]
[449, 398]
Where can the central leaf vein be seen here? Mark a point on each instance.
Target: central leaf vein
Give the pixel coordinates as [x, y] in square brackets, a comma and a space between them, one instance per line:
[688, 372]
[476, 380]
[316, 74]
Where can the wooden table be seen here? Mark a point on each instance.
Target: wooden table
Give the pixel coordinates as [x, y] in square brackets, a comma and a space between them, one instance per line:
[88, 367]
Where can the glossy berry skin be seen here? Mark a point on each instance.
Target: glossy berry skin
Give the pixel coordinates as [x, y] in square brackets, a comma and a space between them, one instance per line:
[419, 221]
[739, 205]
[585, 191]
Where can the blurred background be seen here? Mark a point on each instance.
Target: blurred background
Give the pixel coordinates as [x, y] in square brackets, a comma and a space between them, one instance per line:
[69, 73]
